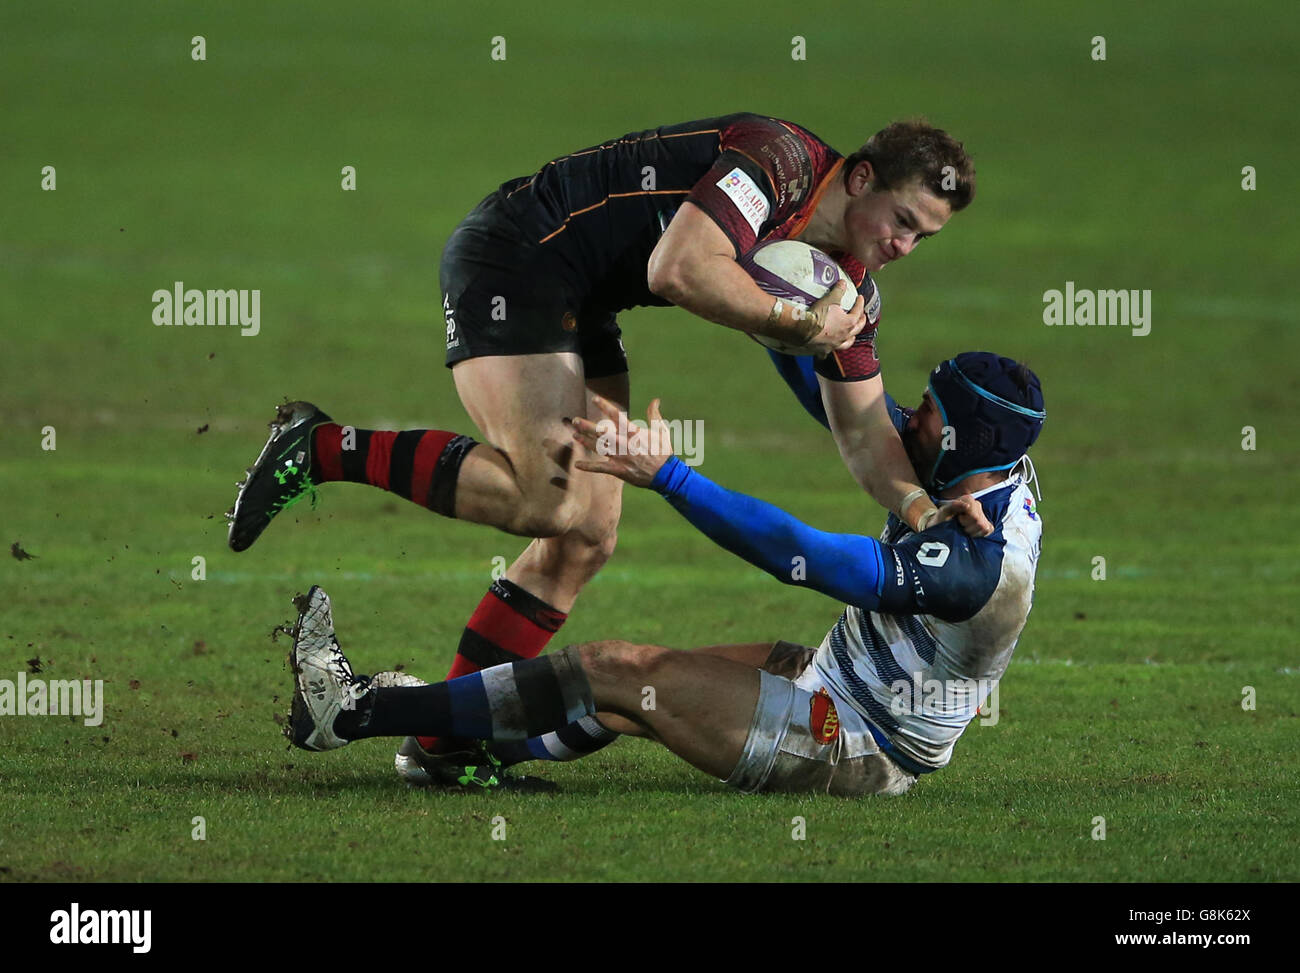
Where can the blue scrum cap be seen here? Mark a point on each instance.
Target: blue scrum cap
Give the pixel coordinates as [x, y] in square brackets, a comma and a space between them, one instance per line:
[995, 420]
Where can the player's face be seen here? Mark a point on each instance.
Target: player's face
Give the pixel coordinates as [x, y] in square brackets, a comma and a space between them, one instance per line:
[884, 225]
[922, 436]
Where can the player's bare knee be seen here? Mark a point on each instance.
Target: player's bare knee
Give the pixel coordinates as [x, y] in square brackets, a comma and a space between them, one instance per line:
[593, 540]
[648, 663]
[612, 659]
[604, 548]
[626, 663]
[599, 657]
[573, 552]
[536, 523]
[589, 529]
[543, 511]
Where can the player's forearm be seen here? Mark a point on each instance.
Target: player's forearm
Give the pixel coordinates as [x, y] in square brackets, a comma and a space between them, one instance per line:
[872, 451]
[879, 463]
[847, 567]
[717, 289]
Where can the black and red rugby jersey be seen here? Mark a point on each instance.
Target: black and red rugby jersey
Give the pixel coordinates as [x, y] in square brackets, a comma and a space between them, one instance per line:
[600, 212]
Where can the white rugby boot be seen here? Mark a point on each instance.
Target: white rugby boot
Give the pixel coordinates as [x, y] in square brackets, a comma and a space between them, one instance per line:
[325, 685]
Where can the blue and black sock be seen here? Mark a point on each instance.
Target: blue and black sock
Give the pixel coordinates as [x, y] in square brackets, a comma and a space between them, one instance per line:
[513, 701]
[572, 742]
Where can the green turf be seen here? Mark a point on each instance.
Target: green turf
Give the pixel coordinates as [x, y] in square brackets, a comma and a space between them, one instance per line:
[1124, 699]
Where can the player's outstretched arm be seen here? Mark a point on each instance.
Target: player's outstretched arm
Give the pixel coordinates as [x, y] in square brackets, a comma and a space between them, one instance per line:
[694, 266]
[848, 567]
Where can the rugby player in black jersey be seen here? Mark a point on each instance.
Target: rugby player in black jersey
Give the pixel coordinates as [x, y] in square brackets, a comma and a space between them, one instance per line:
[532, 281]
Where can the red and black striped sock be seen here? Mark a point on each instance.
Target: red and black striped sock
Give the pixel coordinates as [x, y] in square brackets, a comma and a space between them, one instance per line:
[509, 624]
[420, 465]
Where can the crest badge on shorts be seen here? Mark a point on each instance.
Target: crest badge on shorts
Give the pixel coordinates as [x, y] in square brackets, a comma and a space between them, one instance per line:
[823, 718]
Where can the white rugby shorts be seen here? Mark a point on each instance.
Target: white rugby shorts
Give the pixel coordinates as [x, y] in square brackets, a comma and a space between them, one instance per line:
[804, 738]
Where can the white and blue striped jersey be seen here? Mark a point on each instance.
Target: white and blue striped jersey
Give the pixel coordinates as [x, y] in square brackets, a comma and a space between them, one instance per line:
[951, 610]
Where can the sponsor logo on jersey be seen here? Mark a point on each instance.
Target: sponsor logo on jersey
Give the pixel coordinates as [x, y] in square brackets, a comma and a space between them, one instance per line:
[746, 196]
[791, 181]
[448, 312]
[823, 718]
[933, 553]
[873, 305]
[1030, 508]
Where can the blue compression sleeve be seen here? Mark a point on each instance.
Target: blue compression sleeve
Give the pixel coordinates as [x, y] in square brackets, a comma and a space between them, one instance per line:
[848, 567]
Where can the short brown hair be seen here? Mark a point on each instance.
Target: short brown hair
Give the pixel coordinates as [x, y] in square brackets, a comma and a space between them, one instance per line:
[915, 149]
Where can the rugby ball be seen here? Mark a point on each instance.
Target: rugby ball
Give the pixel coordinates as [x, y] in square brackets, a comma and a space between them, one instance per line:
[797, 274]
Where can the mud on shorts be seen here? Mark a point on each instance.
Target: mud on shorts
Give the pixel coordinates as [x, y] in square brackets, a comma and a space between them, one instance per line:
[505, 295]
[801, 741]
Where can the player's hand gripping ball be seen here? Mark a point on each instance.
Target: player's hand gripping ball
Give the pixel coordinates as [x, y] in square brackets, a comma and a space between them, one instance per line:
[797, 274]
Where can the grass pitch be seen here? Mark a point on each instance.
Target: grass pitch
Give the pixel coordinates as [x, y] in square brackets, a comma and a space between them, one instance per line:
[1125, 699]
